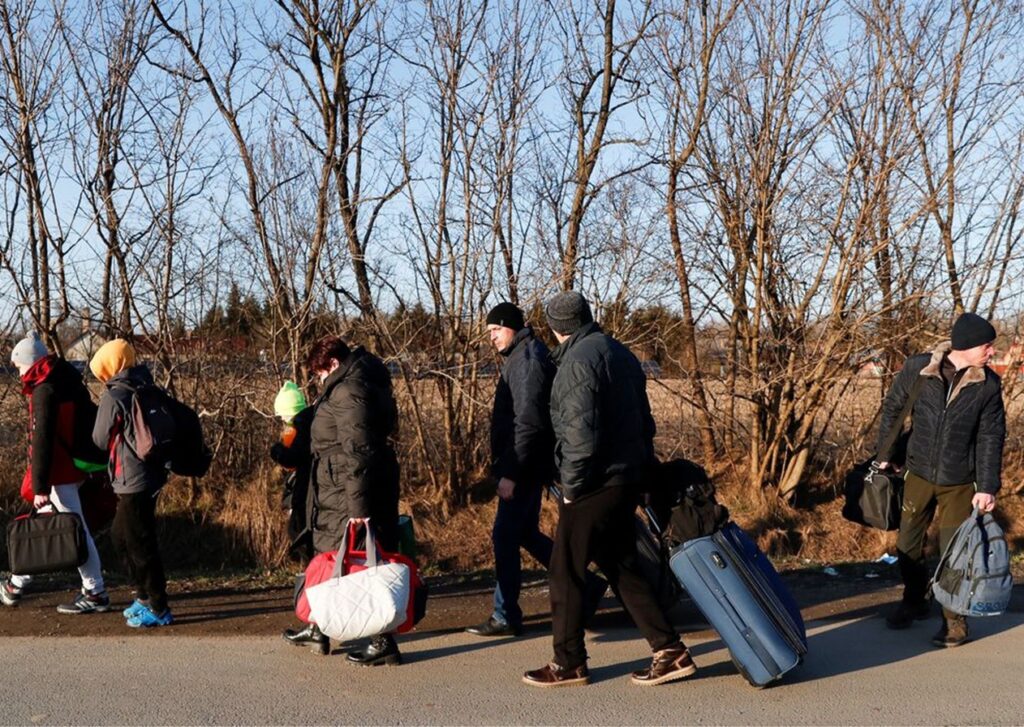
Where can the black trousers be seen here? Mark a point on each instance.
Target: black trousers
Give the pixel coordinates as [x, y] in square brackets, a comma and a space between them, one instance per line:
[134, 535]
[598, 528]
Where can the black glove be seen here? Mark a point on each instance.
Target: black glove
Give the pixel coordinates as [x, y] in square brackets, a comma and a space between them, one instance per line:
[278, 452]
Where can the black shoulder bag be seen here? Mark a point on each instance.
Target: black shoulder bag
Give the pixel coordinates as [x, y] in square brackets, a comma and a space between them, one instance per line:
[874, 498]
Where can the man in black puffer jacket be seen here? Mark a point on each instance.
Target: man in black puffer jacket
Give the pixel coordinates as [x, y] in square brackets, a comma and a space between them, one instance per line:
[954, 456]
[521, 449]
[604, 443]
[522, 445]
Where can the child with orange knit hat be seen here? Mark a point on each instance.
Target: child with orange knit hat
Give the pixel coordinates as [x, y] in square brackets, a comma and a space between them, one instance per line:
[137, 483]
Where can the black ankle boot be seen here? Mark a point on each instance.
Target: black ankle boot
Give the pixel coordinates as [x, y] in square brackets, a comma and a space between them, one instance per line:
[309, 636]
[382, 650]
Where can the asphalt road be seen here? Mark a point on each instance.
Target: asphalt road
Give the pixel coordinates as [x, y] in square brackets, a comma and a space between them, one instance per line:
[857, 672]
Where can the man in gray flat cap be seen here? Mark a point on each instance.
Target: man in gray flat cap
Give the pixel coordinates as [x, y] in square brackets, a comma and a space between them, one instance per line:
[604, 442]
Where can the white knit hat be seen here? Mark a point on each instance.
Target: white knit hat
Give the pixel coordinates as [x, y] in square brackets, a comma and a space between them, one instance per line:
[28, 350]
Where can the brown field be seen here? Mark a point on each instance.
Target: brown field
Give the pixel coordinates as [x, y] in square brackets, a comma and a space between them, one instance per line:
[232, 519]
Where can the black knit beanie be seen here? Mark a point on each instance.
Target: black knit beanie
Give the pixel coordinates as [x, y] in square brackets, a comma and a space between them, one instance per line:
[506, 314]
[567, 312]
[972, 330]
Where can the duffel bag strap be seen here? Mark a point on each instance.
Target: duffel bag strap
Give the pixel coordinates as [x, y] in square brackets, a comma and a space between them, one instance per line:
[897, 426]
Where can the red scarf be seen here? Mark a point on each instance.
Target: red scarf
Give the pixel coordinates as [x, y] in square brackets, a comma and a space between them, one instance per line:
[37, 374]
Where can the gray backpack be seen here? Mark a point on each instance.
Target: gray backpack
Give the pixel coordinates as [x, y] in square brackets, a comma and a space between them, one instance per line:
[973, 577]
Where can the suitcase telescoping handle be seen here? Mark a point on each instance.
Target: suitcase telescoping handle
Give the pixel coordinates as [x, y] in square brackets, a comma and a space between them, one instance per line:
[652, 520]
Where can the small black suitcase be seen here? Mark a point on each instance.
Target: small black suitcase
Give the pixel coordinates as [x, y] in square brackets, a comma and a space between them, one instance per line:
[652, 561]
[45, 542]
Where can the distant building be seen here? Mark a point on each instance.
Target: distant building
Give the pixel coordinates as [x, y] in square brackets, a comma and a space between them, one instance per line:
[86, 343]
[83, 346]
[1010, 358]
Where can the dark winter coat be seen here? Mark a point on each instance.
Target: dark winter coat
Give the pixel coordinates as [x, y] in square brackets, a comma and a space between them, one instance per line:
[128, 473]
[604, 431]
[298, 457]
[355, 470]
[54, 388]
[522, 442]
[957, 435]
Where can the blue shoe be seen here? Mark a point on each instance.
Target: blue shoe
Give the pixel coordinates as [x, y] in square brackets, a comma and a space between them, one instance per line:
[135, 609]
[145, 618]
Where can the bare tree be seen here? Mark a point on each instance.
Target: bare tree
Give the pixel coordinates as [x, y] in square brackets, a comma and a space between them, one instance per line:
[234, 101]
[956, 89]
[33, 70]
[340, 58]
[682, 50]
[105, 44]
[516, 50]
[599, 79]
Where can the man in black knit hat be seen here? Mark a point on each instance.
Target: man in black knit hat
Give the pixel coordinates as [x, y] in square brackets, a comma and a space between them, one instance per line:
[604, 442]
[521, 461]
[954, 456]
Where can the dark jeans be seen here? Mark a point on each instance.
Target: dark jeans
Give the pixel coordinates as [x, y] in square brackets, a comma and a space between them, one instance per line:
[134, 535]
[516, 526]
[921, 501]
[599, 528]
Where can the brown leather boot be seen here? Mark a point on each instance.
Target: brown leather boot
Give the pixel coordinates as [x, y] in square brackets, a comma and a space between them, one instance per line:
[553, 675]
[953, 632]
[668, 665]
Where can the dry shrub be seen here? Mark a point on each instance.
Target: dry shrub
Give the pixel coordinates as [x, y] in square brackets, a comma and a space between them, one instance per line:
[232, 517]
[252, 515]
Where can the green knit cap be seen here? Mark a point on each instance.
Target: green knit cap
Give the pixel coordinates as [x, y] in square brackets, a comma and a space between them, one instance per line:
[289, 401]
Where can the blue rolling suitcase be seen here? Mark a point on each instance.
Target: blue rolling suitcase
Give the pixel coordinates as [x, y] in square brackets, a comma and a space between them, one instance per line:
[736, 588]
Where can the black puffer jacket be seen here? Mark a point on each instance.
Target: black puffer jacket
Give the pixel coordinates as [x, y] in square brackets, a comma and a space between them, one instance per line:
[522, 443]
[604, 431]
[296, 498]
[957, 436]
[354, 468]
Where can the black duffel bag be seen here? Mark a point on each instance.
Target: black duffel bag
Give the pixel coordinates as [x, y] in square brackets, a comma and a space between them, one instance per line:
[874, 497]
[45, 542]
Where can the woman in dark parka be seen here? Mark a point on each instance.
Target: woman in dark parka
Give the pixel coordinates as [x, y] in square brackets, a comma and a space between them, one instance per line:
[355, 471]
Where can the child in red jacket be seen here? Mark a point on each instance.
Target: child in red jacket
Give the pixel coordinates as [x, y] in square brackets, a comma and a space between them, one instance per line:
[53, 388]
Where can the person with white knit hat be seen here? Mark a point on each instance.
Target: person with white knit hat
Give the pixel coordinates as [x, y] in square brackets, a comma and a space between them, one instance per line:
[27, 351]
[55, 392]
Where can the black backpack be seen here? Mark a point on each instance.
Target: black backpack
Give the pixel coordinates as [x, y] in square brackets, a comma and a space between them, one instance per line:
[190, 457]
[163, 430]
[150, 429]
[682, 500]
